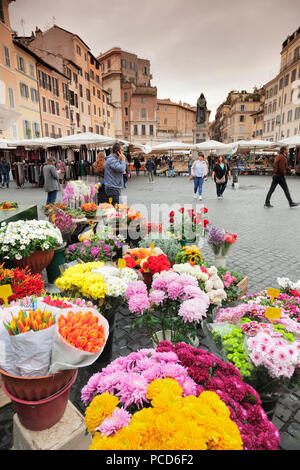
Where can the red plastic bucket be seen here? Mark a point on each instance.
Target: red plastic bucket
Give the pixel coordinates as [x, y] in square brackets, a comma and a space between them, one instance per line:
[42, 414]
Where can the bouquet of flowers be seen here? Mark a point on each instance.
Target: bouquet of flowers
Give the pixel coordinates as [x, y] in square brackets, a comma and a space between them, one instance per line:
[220, 242]
[189, 254]
[94, 249]
[22, 238]
[89, 209]
[231, 280]
[175, 303]
[77, 192]
[106, 285]
[115, 395]
[22, 282]
[208, 280]
[6, 205]
[64, 222]
[190, 225]
[154, 264]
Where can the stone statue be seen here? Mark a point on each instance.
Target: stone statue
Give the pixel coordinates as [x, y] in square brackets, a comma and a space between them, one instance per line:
[201, 110]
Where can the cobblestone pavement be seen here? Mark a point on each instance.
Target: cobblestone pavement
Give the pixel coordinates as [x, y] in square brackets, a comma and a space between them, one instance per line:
[268, 246]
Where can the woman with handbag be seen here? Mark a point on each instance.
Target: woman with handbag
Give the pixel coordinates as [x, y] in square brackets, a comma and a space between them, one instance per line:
[199, 171]
[220, 175]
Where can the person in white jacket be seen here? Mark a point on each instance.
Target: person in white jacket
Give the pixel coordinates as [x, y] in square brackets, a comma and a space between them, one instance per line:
[198, 172]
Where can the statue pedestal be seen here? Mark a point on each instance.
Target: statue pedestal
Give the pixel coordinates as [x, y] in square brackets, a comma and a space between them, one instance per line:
[200, 133]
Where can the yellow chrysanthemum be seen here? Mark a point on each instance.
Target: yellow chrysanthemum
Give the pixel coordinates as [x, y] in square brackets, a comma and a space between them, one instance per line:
[167, 385]
[100, 408]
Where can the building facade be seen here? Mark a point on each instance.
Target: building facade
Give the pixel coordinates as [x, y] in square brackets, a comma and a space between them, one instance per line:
[175, 121]
[128, 80]
[282, 94]
[233, 120]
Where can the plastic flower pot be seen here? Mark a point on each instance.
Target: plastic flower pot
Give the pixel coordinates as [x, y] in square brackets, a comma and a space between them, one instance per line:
[42, 414]
[53, 271]
[38, 261]
[35, 388]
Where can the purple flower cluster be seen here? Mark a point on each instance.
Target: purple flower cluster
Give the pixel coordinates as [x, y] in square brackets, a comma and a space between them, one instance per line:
[91, 250]
[244, 403]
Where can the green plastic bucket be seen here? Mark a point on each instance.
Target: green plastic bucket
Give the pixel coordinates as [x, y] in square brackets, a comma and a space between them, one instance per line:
[53, 271]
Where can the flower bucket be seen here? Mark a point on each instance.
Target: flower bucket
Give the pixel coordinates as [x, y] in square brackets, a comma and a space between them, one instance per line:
[42, 414]
[53, 271]
[35, 388]
[38, 261]
[220, 261]
[269, 406]
[187, 241]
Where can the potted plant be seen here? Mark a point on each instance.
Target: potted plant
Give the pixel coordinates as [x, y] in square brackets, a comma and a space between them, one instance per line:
[169, 246]
[29, 243]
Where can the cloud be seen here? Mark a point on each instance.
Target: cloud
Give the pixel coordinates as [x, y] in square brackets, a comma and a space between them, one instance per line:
[210, 46]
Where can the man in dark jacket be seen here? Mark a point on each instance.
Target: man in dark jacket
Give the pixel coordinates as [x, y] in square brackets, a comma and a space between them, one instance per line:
[4, 172]
[115, 167]
[150, 167]
[280, 169]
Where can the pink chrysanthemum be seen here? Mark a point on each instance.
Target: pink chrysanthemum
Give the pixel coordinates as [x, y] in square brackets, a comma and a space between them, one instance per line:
[192, 310]
[136, 287]
[138, 303]
[157, 297]
[118, 419]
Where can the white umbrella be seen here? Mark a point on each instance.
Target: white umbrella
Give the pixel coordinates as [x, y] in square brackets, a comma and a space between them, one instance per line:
[210, 145]
[173, 145]
[4, 144]
[251, 144]
[144, 148]
[39, 142]
[86, 138]
[292, 141]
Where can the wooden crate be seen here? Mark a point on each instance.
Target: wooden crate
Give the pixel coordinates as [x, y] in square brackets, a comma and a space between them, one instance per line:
[243, 286]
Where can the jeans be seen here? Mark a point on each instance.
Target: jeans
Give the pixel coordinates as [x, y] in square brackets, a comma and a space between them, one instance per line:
[169, 173]
[279, 179]
[51, 197]
[190, 170]
[114, 194]
[220, 188]
[151, 178]
[4, 179]
[198, 183]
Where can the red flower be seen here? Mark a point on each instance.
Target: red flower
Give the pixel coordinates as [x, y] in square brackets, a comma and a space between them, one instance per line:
[171, 220]
[130, 263]
[230, 238]
[172, 213]
[197, 220]
[204, 210]
[205, 222]
[295, 293]
[181, 210]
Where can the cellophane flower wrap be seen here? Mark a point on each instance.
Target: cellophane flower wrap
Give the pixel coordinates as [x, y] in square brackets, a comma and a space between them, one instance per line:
[23, 283]
[131, 386]
[22, 238]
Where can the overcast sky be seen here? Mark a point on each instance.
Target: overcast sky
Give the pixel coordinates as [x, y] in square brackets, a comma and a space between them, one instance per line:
[209, 46]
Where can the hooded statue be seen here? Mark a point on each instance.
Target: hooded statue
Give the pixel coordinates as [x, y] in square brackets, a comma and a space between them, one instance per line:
[201, 110]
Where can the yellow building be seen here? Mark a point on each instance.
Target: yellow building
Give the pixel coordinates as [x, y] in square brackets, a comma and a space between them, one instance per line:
[29, 124]
[8, 77]
[175, 121]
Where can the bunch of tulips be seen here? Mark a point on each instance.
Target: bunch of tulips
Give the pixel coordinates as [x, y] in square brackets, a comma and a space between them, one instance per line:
[33, 320]
[82, 331]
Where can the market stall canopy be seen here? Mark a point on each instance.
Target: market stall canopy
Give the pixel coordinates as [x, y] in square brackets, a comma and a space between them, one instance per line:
[292, 141]
[173, 145]
[5, 144]
[143, 148]
[7, 117]
[39, 142]
[87, 138]
[216, 147]
[253, 144]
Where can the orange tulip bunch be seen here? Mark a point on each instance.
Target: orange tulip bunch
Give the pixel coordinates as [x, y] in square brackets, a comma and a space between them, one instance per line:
[82, 331]
[34, 320]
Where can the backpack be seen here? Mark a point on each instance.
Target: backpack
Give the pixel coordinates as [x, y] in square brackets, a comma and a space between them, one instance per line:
[99, 164]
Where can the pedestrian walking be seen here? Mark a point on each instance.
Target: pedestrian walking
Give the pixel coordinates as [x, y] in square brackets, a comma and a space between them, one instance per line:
[199, 171]
[113, 173]
[4, 172]
[171, 167]
[150, 167]
[137, 165]
[220, 175]
[280, 169]
[51, 181]
[125, 174]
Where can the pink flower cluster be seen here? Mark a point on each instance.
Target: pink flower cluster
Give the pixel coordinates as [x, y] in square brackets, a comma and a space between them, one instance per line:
[183, 288]
[228, 279]
[210, 373]
[234, 314]
[128, 377]
[277, 355]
